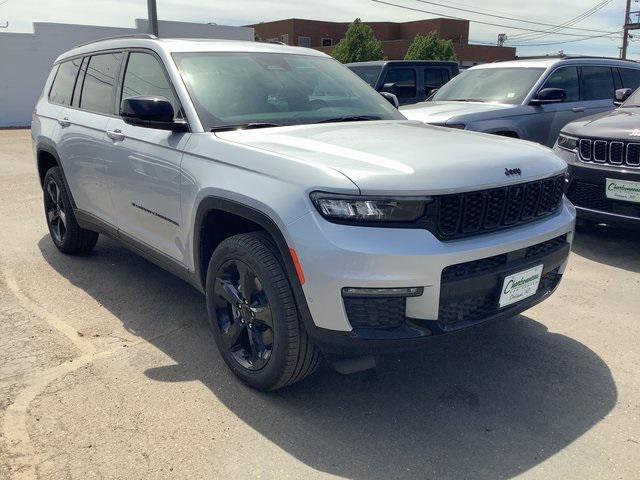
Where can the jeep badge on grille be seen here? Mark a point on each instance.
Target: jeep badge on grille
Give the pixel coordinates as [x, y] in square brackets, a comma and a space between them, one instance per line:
[510, 172]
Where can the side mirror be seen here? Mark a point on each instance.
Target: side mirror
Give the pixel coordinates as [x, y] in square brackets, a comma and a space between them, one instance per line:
[549, 95]
[151, 112]
[390, 88]
[391, 98]
[621, 96]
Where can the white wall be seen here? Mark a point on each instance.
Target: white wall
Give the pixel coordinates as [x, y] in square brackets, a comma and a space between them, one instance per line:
[26, 58]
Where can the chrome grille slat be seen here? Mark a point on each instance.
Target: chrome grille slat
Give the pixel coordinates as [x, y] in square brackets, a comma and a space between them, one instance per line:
[616, 153]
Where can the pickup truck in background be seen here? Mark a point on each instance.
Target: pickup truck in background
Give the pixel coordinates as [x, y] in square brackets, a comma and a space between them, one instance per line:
[412, 81]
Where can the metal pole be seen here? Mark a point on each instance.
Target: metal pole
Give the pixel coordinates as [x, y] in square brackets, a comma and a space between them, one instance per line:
[153, 16]
[625, 34]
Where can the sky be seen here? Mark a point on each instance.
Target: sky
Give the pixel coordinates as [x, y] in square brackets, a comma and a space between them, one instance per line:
[22, 13]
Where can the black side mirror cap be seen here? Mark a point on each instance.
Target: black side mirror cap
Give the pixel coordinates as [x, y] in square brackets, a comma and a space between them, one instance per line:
[391, 98]
[549, 95]
[621, 96]
[151, 112]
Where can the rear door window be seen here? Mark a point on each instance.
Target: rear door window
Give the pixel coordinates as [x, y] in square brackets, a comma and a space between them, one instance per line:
[630, 77]
[597, 83]
[99, 88]
[567, 79]
[405, 81]
[62, 89]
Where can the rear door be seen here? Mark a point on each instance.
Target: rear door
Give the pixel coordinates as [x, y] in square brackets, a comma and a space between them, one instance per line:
[84, 148]
[146, 167]
[598, 89]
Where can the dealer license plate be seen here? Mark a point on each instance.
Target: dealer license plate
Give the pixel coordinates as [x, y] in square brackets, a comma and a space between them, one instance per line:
[520, 285]
[623, 190]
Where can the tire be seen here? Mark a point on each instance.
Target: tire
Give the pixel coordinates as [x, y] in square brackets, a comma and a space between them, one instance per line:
[65, 232]
[261, 337]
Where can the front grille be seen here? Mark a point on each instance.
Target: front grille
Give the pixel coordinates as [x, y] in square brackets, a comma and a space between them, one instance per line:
[466, 214]
[475, 267]
[592, 196]
[483, 305]
[457, 306]
[368, 312]
[610, 152]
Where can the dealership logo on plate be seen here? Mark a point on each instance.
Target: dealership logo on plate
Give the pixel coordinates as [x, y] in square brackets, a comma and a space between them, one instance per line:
[635, 132]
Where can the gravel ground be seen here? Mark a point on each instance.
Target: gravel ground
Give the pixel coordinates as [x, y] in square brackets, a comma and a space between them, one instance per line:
[108, 370]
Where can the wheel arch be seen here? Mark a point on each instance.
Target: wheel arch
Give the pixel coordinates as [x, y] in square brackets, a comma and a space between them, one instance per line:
[47, 157]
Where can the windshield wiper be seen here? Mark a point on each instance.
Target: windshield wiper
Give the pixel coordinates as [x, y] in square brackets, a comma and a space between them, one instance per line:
[243, 126]
[466, 100]
[352, 118]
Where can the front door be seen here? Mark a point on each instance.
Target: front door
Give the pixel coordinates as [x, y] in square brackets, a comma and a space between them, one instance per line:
[146, 173]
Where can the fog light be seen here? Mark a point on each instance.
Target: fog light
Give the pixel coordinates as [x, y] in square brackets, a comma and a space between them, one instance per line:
[382, 292]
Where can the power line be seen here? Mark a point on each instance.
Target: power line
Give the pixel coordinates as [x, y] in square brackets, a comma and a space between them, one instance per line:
[405, 7]
[511, 18]
[592, 37]
[573, 21]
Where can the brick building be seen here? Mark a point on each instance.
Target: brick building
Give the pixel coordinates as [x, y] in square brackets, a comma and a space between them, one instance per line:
[395, 37]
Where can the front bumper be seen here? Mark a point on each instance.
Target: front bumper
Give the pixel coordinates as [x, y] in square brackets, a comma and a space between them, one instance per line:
[337, 256]
[586, 190]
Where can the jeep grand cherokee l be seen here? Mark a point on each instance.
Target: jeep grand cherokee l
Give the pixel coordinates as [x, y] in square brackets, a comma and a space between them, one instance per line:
[311, 213]
[603, 152]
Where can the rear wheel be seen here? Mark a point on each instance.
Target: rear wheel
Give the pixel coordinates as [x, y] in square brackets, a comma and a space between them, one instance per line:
[254, 316]
[65, 232]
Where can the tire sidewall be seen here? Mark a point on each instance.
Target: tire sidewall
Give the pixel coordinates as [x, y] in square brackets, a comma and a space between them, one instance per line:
[268, 376]
[53, 174]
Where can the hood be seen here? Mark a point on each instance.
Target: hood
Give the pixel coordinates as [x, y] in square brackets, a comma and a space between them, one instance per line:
[621, 123]
[406, 157]
[442, 112]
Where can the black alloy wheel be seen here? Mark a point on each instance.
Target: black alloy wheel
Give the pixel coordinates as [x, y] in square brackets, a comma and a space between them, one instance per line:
[243, 314]
[55, 210]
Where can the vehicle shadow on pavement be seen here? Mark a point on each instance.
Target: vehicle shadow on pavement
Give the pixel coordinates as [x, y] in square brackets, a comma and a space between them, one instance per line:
[487, 403]
[616, 247]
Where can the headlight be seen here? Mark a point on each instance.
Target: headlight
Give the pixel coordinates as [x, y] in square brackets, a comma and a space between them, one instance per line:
[361, 209]
[568, 143]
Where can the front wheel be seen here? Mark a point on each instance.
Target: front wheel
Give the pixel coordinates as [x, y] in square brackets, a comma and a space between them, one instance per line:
[253, 314]
[65, 232]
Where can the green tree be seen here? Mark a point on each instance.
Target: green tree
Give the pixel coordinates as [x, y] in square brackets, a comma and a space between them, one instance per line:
[430, 47]
[358, 45]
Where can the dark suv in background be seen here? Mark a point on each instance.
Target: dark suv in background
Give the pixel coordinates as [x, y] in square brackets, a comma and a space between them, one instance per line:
[411, 81]
[603, 153]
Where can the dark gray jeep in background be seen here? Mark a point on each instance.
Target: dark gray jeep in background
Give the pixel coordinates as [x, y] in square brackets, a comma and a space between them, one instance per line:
[603, 153]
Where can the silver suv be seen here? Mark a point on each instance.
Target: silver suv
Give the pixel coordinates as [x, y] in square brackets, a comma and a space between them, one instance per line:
[313, 216]
[527, 99]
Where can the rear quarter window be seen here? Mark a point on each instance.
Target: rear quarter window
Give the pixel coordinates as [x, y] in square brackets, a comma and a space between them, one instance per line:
[98, 91]
[64, 82]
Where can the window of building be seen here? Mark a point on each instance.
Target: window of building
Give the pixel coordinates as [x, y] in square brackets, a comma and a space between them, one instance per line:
[304, 42]
[327, 42]
[597, 83]
[145, 76]
[566, 78]
[404, 80]
[98, 91]
[630, 77]
[62, 89]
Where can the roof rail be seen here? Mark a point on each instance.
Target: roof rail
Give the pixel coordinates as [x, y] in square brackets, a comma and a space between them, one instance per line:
[571, 56]
[134, 35]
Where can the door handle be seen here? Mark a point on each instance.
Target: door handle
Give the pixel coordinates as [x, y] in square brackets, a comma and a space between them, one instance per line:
[577, 109]
[64, 122]
[115, 135]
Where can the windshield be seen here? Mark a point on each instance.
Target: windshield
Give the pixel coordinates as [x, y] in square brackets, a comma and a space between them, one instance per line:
[273, 89]
[495, 85]
[369, 74]
[633, 100]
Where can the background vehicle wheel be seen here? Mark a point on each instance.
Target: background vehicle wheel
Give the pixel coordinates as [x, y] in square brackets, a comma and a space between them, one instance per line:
[253, 314]
[63, 227]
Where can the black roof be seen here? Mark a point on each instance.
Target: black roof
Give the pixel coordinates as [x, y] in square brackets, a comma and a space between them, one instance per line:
[413, 63]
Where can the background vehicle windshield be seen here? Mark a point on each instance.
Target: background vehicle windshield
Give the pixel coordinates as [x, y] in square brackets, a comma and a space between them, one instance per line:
[284, 89]
[633, 100]
[369, 74]
[495, 85]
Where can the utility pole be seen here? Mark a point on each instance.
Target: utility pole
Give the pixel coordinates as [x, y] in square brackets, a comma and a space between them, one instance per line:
[153, 16]
[629, 24]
